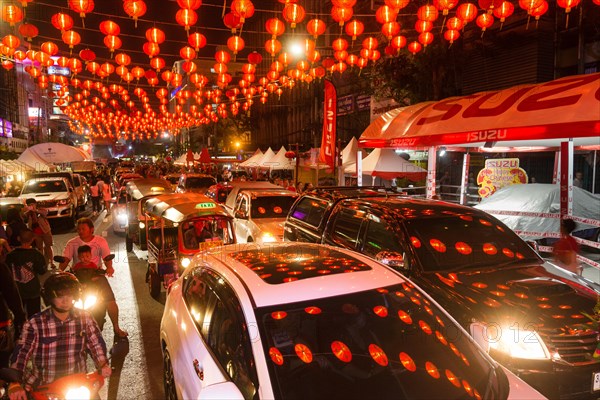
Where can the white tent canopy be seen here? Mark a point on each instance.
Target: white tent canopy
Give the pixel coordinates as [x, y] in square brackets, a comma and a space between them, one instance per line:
[263, 162]
[254, 160]
[41, 155]
[349, 152]
[386, 164]
[280, 161]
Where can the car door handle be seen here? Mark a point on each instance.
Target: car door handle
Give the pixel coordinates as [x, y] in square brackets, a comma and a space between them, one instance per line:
[199, 370]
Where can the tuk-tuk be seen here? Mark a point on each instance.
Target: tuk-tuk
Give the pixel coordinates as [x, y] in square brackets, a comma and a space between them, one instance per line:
[177, 227]
[138, 192]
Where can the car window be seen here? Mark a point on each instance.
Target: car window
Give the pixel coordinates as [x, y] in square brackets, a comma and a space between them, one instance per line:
[199, 299]
[243, 204]
[199, 182]
[380, 236]
[229, 341]
[346, 225]
[44, 187]
[271, 206]
[310, 211]
[76, 180]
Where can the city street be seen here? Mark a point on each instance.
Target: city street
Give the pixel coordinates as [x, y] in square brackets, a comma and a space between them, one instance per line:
[138, 374]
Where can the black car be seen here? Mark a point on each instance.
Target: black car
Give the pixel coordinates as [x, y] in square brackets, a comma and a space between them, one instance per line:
[537, 323]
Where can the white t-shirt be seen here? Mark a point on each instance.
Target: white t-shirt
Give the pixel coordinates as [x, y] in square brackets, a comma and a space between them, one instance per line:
[98, 244]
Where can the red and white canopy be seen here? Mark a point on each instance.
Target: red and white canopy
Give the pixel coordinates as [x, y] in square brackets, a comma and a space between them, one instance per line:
[565, 108]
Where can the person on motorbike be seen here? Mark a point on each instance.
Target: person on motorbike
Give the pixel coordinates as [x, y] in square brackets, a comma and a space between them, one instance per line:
[55, 342]
[99, 248]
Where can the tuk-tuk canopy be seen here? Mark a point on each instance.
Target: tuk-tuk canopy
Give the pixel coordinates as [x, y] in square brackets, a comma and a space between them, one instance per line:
[180, 207]
[140, 188]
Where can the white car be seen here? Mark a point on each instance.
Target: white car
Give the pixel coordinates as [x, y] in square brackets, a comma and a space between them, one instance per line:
[55, 194]
[307, 321]
[119, 212]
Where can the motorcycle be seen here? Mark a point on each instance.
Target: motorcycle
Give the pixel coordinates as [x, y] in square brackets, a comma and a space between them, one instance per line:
[91, 298]
[82, 386]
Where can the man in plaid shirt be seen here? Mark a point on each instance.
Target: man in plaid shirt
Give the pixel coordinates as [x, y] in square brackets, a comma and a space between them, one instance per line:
[55, 342]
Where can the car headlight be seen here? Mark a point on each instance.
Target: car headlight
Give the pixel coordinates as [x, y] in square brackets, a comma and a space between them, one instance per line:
[142, 225]
[62, 202]
[518, 343]
[185, 262]
[122, 217]
[268, 237]
[78, 393]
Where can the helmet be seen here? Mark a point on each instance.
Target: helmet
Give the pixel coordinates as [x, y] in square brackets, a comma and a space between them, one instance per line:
[57, 284]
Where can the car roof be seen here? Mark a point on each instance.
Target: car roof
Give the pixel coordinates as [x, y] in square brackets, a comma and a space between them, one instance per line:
[344, 192]
[183, 206]
[262, 193]
[285, 272]
[140, 188]
[246, 185]
[48, 178]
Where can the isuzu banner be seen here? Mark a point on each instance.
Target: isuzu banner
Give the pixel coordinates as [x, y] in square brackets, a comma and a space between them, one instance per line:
[566, 107]
[327, 154]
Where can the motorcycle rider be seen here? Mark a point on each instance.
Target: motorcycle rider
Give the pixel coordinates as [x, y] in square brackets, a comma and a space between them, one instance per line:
[54, 343]
[100, 249]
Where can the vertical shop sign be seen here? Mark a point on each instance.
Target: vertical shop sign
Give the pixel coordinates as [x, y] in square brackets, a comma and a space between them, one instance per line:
[327, 153]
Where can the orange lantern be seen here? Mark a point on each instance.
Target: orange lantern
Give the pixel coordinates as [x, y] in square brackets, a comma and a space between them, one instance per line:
[366, 53]
[484, 21]
[123, 59]
[273, 46]
[11, 41]
[222, 56]
[109, 27]
[187, 53]
[151, 49]
[445, 5]
[390, 29]
[467, 12]
[82, 7]
[313, 56]
[190, 4]
[113, 43]
[343, 3]
[425, 38]
[414, 47]
[277, 66]
[341, 14]
[7, 65]
[398, 42]
[220, 68]
[529, 5]
[197, 40]
[315, 27]
[20, 55]
[454, 23]
[87, 55]
[505, 10]
[75, 65]
[294, 14]
[135, 9]
[107, 68]
[93, 67]
[12, 14]
[397, 4]
[186, 18]
[385, 14]
[427, 13]
[62, 22]
[49, 48]
[155, 35]
[566, 4]
[243, 9]
[28, 31]
[370, 43]
[451, 35]
[541, 10]
[232, 21]
[157, 63]
[138, 72]
[354, 28]
[423, 26]
[275, 27]
[340, 44]
[121, 70]
[340, 55]
[71, 38]
[235, 44]
[375, 55]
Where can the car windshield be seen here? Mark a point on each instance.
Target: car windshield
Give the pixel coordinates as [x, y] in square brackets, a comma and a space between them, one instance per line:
[173, 179]
[460, 241]
[206, 232]
[196, 182]
[386, 343]
[44, 187]
[271, 206]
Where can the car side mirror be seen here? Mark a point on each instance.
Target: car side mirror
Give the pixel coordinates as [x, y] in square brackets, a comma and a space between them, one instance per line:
[225, 390]
[391, 259]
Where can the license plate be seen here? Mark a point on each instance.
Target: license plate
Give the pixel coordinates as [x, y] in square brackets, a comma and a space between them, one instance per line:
[595, 381]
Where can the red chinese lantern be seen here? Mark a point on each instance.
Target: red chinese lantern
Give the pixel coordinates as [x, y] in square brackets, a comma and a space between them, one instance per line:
[315, 27]
[235, 44]
[386, 14]
[390, 29]
[541, 10]
[425, 38]
[275, 27]
[123, 59]
[397, 4]
[467, 12]
[28, 31]
[109, 27]
[343, 3]
[290, 154]
[485, 21]
[151, 49]
[7, 65]
[445, 5]
[232, 21]
[187, 53]
[354, 29]
[113, 43]
[82, 7]
[294, 14]
[155, 35]
[12, 14]
[75, 65]
[427, 13]
[93, 67]
[529, 5]
[339, 44]
[135, 9]
[197, 40]
[190, 4]
[71, 38]
[222, 56]
[20, 55]
[340, 55]
[489, 5]
[220, 68]
[186, 18]
[414, 47]
[62, 22]
[87, 55]
[451, 35]
[503, 11]
[370, 43]
[107, 68]
[254, 58]
[341, 14]
[273, 46]
[398, 42]
[423, 26]
[243, 9]
[157, 63]
[566, 4]
[454, 23]
[11, 41]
